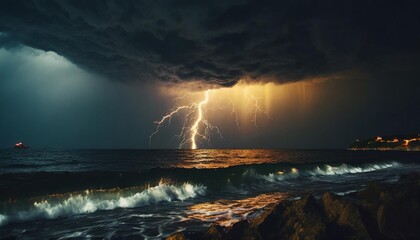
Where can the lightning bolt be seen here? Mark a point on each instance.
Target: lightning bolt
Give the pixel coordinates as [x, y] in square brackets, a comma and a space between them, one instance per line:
[196, 127]
[165, 118]
[193, 133]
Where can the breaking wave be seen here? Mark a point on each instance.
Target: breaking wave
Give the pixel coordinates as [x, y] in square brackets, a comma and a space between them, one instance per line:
[3, 219]
[88, 202]
[325, 170]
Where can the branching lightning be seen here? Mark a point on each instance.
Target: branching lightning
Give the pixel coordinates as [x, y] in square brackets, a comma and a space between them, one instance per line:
[256, 106]
[167, 118]
[196, 127]
[234, 114]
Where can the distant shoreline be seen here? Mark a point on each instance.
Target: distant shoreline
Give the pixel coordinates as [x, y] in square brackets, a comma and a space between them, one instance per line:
[388, 143]
[384, 149]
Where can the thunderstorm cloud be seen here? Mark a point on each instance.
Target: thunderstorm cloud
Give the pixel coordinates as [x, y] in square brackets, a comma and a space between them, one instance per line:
[217, 41]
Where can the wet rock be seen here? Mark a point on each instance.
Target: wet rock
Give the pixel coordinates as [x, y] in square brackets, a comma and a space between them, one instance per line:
[344, 218]
[177, 236]
[392, 211]
[301, 219]
[244, 230]
[214, 232]
[256, 221]
[271, 226]
[398, 215]
[306, 218]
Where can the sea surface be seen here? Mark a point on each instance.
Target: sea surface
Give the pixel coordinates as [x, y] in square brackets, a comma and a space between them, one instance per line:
[149, 194]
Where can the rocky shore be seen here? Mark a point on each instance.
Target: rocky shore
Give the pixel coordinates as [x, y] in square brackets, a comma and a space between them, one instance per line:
[380, 211]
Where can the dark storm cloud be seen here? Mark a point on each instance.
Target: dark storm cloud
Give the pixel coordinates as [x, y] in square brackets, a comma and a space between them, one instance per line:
[217, 41]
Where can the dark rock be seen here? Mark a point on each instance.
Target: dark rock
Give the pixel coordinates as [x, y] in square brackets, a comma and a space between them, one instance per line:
[392, 211]
[306, 218]
[243, 230]
[344, 219]
[214, 232]
[398, 215]
[177, 236]
[271, 226]
[301, 219]
[256, 221]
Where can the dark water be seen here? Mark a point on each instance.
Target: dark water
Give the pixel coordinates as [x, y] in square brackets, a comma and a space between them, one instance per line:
[88, 194]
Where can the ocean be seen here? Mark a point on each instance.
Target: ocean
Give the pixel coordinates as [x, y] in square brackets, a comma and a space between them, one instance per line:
[149, 194]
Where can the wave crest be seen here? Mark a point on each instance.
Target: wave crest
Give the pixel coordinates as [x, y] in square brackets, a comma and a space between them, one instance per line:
[3, 219]
[325, 170]
[88, 203]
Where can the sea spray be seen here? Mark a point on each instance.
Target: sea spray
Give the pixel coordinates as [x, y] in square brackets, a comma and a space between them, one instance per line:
[3, 219]
[324, 170]
[87, 202]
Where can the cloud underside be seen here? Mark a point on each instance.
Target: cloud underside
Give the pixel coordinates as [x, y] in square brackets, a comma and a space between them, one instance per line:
[216, 41]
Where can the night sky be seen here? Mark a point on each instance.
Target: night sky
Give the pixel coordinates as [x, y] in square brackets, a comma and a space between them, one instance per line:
[89, 74]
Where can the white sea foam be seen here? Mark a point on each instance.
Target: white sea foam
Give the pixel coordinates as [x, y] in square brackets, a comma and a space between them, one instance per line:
[88, 203]
[3, 219]
[325, 170]
[345, 169]
[345, 193]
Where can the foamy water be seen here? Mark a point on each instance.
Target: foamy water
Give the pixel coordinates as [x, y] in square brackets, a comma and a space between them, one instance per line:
[3, 219]
[324, 170]
[89, 203]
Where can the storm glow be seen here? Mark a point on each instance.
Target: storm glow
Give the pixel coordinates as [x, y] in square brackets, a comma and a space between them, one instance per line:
[246, 105]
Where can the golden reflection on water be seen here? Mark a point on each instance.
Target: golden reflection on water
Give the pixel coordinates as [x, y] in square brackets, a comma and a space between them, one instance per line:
[228, 212]
[223, 158]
